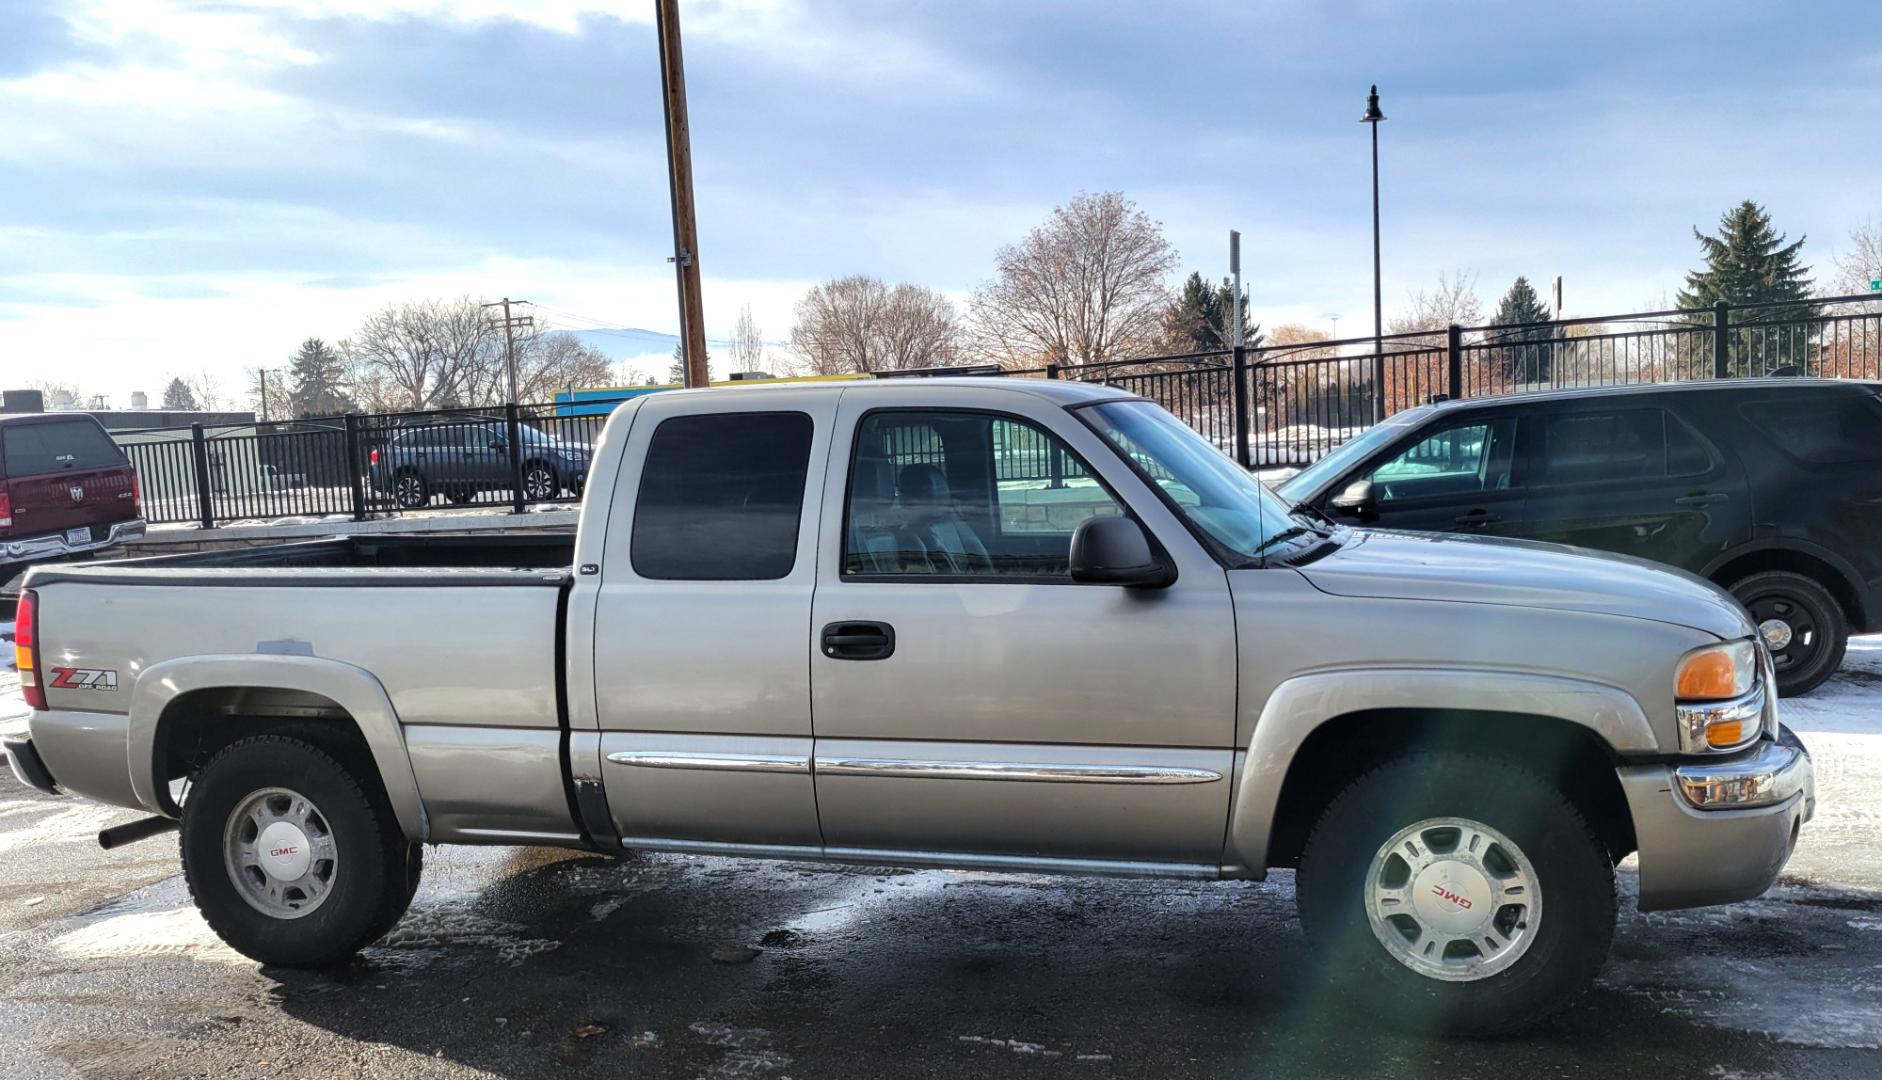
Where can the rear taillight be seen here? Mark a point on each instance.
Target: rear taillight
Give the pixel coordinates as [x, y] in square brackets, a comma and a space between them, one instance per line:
[26, 649]
[375, 458]
[6, 510]
[137, 492]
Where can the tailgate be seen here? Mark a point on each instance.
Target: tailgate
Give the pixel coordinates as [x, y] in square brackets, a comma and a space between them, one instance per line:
[58, 502]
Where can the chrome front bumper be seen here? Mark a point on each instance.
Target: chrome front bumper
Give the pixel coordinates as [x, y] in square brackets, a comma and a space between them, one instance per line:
[37, 548]
[1773, 773]
[1716, 832]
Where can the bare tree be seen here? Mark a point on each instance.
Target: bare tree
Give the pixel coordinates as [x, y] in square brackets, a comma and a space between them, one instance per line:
[427, 354]
[1453, 301]
[859, 324]
[1086, 286]
[748, 342]
[1862, 263]
[208, 391]
[549, 360]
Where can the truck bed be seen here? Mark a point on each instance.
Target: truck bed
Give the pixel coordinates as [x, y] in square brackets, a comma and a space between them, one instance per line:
[351, 560]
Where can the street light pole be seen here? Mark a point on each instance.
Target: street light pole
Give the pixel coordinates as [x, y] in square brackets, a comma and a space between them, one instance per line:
[1373, 116]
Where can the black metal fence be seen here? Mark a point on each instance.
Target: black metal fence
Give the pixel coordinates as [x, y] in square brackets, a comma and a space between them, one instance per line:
[1289, 404]
[1275, 405]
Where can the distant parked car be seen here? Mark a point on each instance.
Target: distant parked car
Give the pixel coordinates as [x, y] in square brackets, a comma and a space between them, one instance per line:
[65, 489]
[458, 460]
[1771, 488]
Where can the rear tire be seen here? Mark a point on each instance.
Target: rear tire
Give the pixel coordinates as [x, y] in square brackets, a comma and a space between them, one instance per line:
[291, 859]
[1801, 622]
[1397, 935]
[409, 490]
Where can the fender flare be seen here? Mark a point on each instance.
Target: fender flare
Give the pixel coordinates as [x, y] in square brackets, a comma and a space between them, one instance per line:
[1841, 566]
[1299, 706]
[352, 688]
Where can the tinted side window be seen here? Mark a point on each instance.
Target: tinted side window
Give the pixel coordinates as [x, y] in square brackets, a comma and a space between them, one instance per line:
[55, 446]
[1465, 459]
[1686, 453]
[1820, 429]
[720, 497]
[1586, 447]
[965, 495]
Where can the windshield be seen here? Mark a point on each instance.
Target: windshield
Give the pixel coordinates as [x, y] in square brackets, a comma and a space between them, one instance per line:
[1304, 483]
[1217, 495]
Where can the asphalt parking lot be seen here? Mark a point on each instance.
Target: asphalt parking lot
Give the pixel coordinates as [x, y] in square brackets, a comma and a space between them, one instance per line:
[521, 962]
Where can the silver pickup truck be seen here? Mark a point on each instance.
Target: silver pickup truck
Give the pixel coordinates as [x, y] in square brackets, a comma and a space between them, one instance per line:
[990, 624]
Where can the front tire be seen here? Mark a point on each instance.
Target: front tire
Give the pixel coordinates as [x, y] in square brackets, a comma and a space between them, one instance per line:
[291, 859]
[410, 490]
[1802, 624]
[1458, 893]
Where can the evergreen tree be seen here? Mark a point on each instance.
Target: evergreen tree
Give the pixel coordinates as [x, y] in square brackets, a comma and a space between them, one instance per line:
[1525, 360]
[1198, 318]
[317, 380]
[676, 374]
[179, 396]
[1748, 263]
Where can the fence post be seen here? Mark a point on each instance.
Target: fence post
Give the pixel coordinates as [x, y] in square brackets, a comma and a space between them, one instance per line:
[354, 462]
[1238, 391]
[1454, 361]
[1721, 341]
[1052, 371]
[516, 457]
[199, 451]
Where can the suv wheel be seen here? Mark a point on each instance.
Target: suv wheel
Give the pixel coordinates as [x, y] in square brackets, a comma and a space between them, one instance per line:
[1457, 892]
[409, 489]
[1801, 623]
[290, 859]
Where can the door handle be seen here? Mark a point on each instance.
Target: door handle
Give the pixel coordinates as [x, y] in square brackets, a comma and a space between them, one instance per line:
[1701, 499]
[858, 641]
[1478, 517]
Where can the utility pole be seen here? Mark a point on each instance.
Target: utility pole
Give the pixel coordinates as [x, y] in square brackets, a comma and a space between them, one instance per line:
[510, 324]
[264, 395]
[685, 258]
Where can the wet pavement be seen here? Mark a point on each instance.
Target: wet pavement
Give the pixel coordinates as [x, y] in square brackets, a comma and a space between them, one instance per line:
[523, 963]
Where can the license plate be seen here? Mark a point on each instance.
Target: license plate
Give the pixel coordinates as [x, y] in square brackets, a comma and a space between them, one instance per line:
[78, 536]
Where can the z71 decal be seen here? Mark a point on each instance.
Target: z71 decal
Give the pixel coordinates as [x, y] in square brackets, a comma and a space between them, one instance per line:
[78, 678]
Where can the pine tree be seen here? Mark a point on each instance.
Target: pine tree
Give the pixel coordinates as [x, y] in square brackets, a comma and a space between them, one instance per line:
[179, 396]
[317, 379]
[1748, 263]
[1526, 363]
[676, 374]
[1198, 318]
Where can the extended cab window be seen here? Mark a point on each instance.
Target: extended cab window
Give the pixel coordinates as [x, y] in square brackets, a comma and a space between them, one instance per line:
[1463, 460]
[56, 446]
[965, 494]
[720, 496]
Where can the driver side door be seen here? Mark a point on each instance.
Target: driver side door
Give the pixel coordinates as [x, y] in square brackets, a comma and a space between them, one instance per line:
[1461, 476]
[967, 695]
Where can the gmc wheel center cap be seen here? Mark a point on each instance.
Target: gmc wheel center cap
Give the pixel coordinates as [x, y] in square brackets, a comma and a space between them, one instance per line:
[282, 848]
[1453, 897]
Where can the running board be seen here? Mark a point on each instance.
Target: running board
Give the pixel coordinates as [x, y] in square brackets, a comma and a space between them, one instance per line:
[934, 860]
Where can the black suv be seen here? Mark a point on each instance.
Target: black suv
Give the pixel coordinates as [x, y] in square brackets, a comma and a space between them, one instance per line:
[1770, 487]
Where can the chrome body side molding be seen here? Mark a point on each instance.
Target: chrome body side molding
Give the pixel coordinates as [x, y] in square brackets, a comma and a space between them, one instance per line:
[712, 761]
[1015, 770]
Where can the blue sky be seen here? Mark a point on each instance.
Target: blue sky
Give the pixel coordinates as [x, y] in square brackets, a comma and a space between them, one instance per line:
[188, 187]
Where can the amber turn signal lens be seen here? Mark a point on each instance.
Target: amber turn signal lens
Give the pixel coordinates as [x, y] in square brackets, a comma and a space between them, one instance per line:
[1725, 734]
[1707, 675]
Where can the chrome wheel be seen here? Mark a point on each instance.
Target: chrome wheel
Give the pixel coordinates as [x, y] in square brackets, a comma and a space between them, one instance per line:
[410, 490]
[1453, 899]
[280, 853]
[539, 483]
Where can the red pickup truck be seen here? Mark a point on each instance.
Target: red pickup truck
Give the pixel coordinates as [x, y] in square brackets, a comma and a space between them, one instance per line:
[65, 489]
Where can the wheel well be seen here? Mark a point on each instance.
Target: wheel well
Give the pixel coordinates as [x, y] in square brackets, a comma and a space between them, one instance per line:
[1567, 754]
[195, 725]
[1797, 562]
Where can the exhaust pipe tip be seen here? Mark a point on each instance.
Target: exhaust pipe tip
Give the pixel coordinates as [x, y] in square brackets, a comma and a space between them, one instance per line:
[132, 831]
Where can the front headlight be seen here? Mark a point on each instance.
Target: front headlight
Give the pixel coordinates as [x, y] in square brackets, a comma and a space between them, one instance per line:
[1720, 702]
